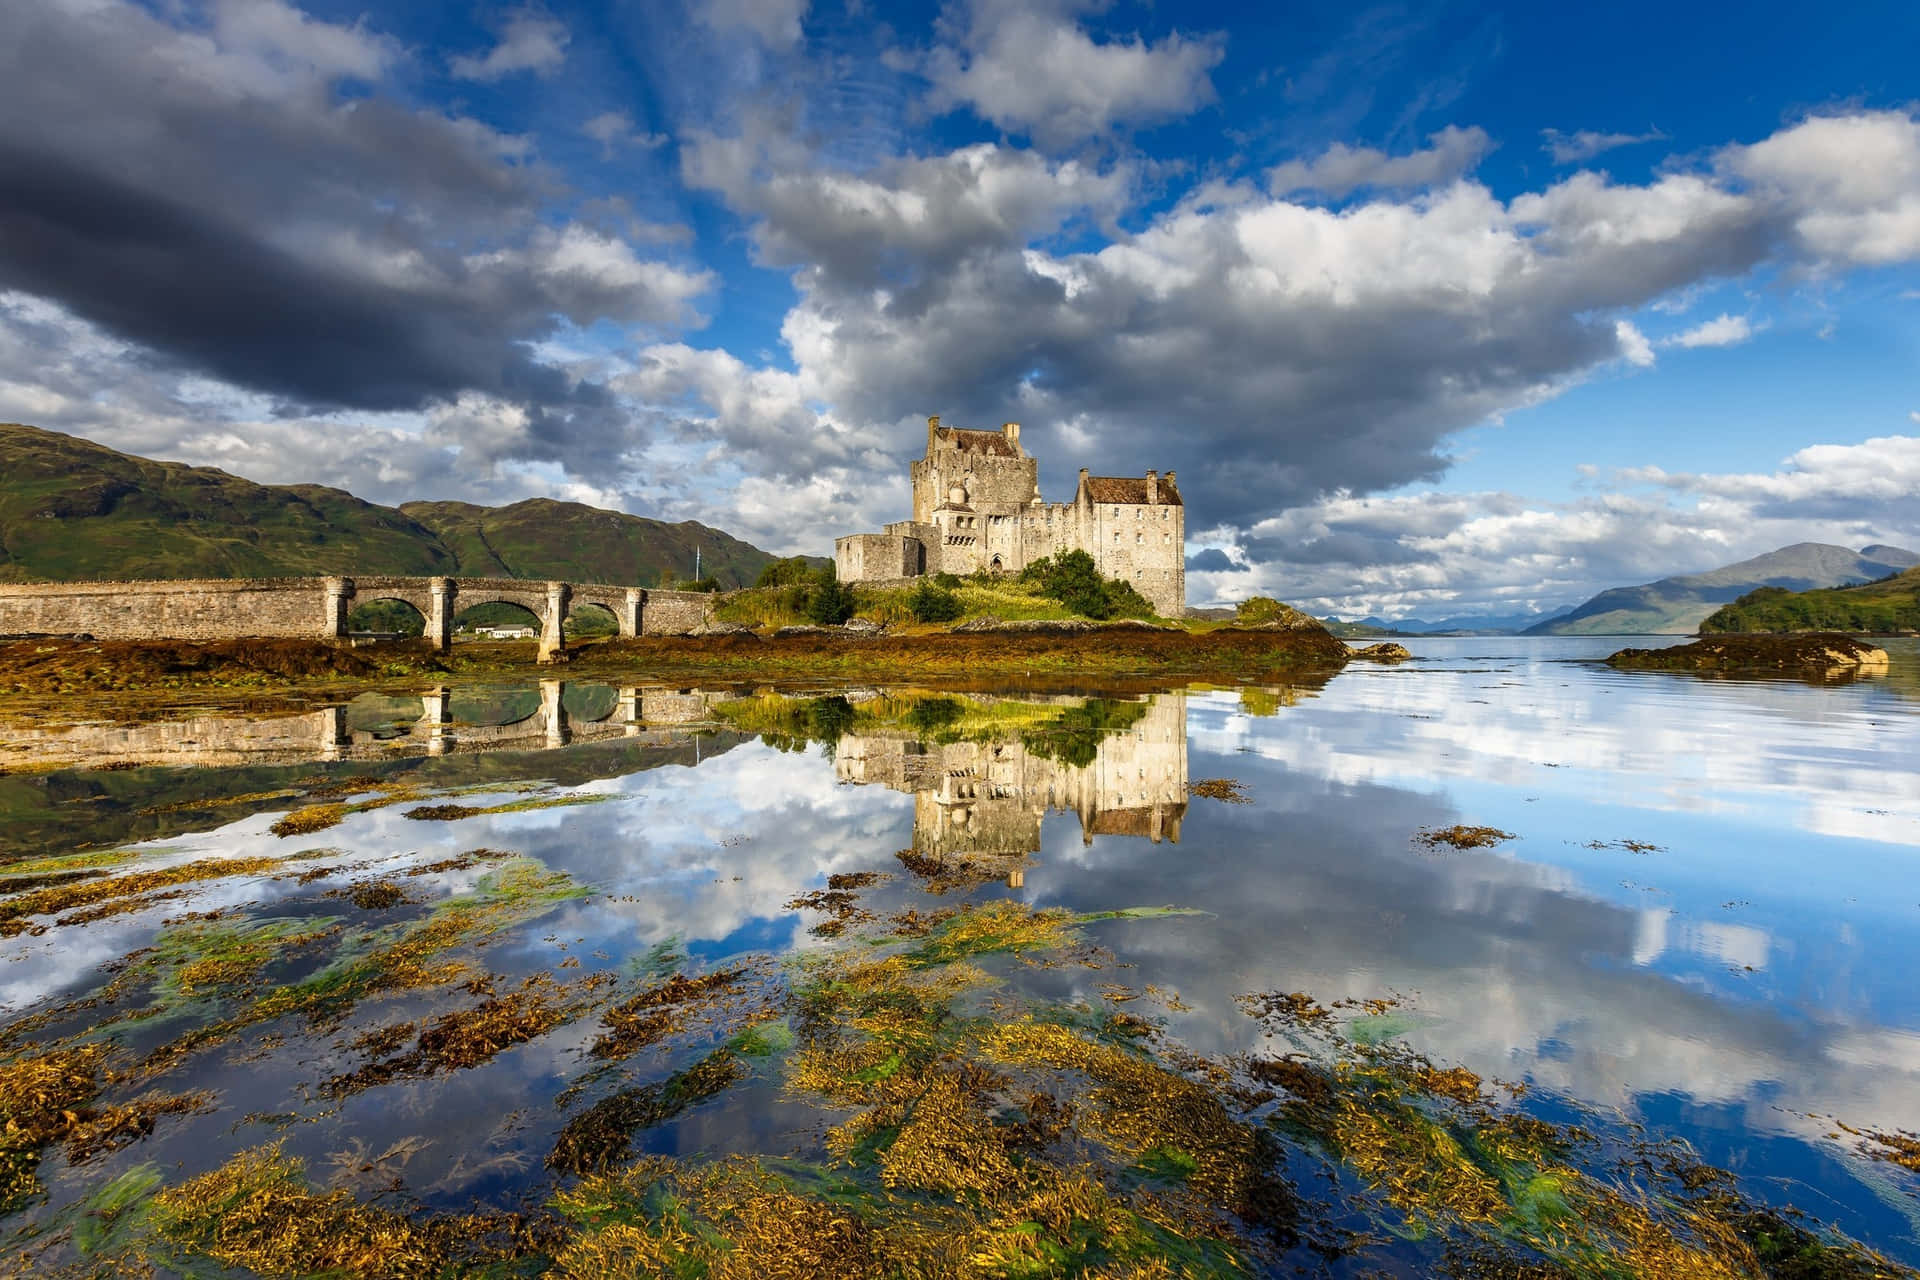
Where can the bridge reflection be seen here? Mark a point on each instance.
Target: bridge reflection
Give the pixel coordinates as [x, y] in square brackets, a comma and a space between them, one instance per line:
[436, 722]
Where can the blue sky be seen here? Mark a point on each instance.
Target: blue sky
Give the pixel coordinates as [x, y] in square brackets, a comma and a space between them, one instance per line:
[1436, 309]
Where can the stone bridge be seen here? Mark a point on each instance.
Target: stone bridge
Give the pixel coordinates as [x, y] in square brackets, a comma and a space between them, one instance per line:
[317, 608]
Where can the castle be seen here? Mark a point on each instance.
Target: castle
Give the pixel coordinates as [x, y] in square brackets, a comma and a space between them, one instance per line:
[976, 505]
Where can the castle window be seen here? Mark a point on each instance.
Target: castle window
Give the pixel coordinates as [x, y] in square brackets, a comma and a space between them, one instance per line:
[1139, 537]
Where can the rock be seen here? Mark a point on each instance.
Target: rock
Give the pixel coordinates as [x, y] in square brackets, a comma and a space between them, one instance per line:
[863, 627]
[1815, 653]
[1044, 626]
[1139, 624]
[805, 629]
[1384, 652]
[716, 628]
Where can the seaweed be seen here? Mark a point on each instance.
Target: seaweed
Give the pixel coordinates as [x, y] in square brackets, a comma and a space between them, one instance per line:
[469, 1037]
[599, 1138]
[132, 891]
[455, 812]
[1461, 837]
[52, 1099]
[662, 1010]
[257, 1212]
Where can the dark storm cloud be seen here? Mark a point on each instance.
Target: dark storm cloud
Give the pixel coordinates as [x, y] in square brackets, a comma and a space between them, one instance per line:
[241, 195]
[1212, 560]
[210, 295]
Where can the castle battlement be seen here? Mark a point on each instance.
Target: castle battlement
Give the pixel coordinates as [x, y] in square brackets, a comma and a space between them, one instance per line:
[977, 506]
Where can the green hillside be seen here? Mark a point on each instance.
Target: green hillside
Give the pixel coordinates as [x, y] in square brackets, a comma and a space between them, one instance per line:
[72, 510]
[1680, 605]
[1889, 605]
[541, 538]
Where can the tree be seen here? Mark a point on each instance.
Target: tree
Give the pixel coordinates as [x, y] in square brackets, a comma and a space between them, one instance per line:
[786, 573]
[830, 603]
[930, 603]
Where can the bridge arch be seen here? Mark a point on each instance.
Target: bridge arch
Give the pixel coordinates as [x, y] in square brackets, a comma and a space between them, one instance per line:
[377, 614]
[245, 608]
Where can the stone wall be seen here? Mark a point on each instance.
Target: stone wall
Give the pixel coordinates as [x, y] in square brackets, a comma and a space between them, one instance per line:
[866, 556]
[675, 613]
[1144, 545]
[184, 610]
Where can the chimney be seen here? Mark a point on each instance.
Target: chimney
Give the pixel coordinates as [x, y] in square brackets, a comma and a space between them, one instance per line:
[1153, 486]
[1012, 432]
[1169, 479]
[1082, 491]
[933, 430]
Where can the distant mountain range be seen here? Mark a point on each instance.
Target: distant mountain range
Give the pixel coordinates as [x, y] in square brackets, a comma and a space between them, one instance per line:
[72, 510]
[1677, 606]
[1482, 624]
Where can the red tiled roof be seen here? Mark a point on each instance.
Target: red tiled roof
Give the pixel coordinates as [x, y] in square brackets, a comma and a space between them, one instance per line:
[989, 442]
[1129, 489]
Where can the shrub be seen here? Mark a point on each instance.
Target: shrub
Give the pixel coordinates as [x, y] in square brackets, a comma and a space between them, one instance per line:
[794, 570]
[933, 604]
[1074, 580]
[830, 603]
[947, 580]
[1256, 609]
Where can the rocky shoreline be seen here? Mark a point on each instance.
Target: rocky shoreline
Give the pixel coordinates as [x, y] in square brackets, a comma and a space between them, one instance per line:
[1046, 652]
[1814, 653]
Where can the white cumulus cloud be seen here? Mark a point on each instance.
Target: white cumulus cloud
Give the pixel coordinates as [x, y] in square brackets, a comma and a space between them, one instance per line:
[1722, 331]
[1342, 169]
[775, 22]
[1032, 69]
[531, 40]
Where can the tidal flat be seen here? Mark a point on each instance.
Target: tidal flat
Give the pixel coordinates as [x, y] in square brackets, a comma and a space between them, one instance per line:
[1496, 962]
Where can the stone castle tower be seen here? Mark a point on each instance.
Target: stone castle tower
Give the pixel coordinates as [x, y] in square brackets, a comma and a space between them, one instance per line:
[977, 505]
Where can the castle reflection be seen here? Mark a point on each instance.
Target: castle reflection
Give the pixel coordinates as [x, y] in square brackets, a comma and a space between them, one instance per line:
[1121, 767]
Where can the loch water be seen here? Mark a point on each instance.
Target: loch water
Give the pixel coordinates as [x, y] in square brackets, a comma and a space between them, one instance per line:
[1702, 925]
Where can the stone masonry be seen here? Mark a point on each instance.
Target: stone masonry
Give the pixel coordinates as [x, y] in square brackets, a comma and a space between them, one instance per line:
[317, 608]
[977, 506]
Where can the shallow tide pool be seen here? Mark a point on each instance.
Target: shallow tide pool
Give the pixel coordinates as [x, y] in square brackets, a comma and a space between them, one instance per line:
[591, 980]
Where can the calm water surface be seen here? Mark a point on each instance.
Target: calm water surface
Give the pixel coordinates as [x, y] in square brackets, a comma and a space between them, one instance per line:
[1707, 920]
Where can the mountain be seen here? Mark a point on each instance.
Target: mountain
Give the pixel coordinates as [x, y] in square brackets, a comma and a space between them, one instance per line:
[1677, 606]
[1493, 624]
[72, 510]
[1887, 605]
